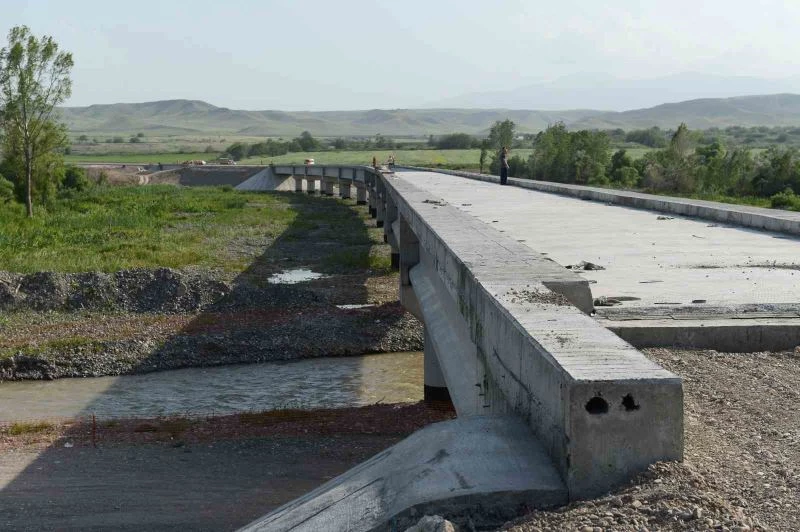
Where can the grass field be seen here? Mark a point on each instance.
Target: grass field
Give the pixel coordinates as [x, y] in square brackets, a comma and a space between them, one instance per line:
[433, 158]
[139, 158]
[113, 228]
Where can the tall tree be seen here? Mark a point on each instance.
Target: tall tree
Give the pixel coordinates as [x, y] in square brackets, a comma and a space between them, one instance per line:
[502, 134]
[34, 78]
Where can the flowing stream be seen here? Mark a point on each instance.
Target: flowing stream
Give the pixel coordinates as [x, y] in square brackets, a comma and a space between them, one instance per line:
[313, 383]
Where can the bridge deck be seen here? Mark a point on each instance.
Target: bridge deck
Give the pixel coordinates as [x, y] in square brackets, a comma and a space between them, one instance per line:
[656, 262]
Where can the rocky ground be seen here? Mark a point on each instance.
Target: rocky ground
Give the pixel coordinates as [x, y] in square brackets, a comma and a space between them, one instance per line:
[742, 454]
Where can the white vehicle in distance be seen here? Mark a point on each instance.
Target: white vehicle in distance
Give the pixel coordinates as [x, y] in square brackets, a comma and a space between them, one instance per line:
[223, 160]
[309, 162]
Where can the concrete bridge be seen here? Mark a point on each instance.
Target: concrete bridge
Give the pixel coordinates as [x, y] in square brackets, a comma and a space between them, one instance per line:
[553, 403]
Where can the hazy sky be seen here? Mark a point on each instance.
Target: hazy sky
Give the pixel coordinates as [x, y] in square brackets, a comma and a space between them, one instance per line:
[325, 55]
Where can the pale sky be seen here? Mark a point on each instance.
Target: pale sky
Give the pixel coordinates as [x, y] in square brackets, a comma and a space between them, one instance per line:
[348, 54]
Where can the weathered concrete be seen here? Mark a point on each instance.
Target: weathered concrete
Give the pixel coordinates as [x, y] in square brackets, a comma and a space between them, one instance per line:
[509, 332]
[651, 263]
[480, 465]
[266, 180]
[601, 409]
[779, 221]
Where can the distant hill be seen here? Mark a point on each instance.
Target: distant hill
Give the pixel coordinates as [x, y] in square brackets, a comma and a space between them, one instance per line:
[747, 111]
[176, 117]
[189, 116]
[603, 91]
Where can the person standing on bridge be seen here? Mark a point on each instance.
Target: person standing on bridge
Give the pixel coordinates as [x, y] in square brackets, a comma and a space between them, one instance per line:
[504, 165]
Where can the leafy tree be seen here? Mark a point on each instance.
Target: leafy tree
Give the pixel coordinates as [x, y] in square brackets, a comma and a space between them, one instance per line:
[620, 159]
[681, 142]
[778, 170]
[83, 138]
[570, 157]
[653, 137]
[135, 140]
[307, 142]
[237, 151]
[502, 134]
[456, 141]
[6, 190]
[484, 153]
[75, 178]
[34, 78]
[47, 169]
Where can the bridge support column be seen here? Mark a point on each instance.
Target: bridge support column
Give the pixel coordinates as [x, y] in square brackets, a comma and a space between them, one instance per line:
[373, 195]
[311, 185]
[408, 245]
[327, 187]
[380, 198]
[361, 195]
[389, 228]
[298, 183]
[435, 385]
[344, 190]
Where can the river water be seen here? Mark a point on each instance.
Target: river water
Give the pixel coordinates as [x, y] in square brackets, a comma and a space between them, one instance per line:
[314, 383]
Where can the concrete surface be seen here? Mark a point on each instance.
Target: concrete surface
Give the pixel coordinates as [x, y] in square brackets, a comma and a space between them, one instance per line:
[778, 220]
[659, 262]
[481, 464]
[600, 408]
[266, 180]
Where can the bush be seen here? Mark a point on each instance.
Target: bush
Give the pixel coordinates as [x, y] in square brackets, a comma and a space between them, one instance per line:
[75, 179]
[785, 200]
[6, 190]
[625, 176]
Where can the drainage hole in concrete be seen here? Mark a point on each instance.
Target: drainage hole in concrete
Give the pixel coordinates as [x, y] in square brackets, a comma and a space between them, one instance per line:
[597, 405]
[629, 403]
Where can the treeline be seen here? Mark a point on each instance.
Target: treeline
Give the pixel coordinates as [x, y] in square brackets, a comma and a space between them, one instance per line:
[684, 165]
[306, 142]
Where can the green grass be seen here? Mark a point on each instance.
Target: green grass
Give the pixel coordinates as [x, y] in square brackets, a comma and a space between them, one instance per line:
[140, 158]
[430, 158]
[19, 428]
[113, 228]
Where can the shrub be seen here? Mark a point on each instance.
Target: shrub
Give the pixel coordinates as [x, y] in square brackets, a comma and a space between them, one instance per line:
[785, 200]
[75, 179]
[6, 190]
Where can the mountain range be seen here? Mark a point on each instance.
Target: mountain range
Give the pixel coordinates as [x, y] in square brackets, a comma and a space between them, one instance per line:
[191, 117]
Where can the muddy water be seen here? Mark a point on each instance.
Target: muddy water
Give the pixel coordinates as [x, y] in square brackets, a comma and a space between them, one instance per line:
[316, 383]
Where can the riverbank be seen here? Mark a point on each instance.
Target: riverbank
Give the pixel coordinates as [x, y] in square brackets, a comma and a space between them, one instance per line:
[161, 474]
[223, 305]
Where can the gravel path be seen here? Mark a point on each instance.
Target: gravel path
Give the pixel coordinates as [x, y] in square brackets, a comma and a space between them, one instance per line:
[742, 456]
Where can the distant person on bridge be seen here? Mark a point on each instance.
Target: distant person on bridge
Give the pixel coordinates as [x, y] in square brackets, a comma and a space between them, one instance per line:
[504, 165]
[374, 162]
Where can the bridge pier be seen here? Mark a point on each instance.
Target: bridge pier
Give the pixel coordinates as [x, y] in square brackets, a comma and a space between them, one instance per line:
[311, 184]
[298, 183]
[373, 195]
[380, 205]
[435, 390]
[389, 228]
[361, 194]
[344, 189]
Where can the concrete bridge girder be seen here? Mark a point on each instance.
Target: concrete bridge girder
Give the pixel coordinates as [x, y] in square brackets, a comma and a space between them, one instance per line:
[508, 338]
[545, 361]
